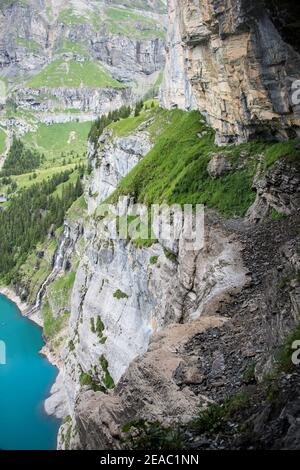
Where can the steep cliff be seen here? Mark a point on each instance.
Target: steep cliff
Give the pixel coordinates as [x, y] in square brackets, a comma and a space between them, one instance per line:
[123, 293]
[153, 318]
[236, 61]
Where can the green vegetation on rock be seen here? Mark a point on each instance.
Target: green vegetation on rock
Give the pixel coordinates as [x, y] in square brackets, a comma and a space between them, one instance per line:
[214, 418]
[53, 325]
[107, 378]
[69, 46]
[131, 23]
[78, 209]
[171, 256]
[118, 294]
[59, 291]
[68, 16]
[283, 356]
[151, 436]
[157, 6]
[28, 44]
[275, 215]
[86, 379]
[175, 170]
[98, 328]
[37, 267]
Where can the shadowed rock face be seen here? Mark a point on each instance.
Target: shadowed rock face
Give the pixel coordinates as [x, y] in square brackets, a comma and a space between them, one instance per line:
[286, 16]
[232, 62]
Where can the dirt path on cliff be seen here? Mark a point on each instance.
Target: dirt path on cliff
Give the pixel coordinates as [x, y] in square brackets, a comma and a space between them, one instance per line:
[260, 315]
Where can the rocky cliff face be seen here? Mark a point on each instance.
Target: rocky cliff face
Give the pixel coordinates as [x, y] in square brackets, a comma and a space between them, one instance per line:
[36, 37]
[88, 101]
[197, 313]
[121, 288]
[236, 61]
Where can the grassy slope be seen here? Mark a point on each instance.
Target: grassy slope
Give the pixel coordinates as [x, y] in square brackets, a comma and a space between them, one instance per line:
[69, 16]
[78, 209]
[130, 23]
[28, 44]
[26, 180]
[70, 73]
[67, 46]
[175, 170]
[64, 146]
[55, 139]
[59, 291]
[127, 21]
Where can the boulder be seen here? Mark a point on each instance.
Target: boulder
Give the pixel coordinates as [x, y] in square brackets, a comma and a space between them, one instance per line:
[218, 166]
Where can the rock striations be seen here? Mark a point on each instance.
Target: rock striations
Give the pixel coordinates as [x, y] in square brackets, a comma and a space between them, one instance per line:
[230, 61]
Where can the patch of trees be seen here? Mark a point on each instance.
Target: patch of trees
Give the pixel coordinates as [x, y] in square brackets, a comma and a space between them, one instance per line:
[29, 217]
[138, 108]
[103, 121]
[6, 180]
[20, 159]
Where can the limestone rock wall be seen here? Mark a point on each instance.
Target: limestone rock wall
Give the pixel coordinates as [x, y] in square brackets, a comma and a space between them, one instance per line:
[240, 69]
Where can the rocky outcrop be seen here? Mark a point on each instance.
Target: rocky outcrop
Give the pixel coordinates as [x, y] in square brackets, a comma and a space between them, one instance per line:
[153, 296]
[189, 364]
[278, 190]
[218, 166]
[129, 58]
[147, 391]
[113, 159]
[163, 320]
[84, 99]
[22, 20]
[176, 89]
[231, 61]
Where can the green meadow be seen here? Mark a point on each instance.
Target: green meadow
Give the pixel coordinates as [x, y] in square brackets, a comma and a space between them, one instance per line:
[71, 73]
[68, 139]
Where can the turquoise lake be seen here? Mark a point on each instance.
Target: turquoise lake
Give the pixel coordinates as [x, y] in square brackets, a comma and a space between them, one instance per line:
[25, 382]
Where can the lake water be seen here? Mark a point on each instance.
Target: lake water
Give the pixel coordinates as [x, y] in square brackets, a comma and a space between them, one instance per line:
[25, 382]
